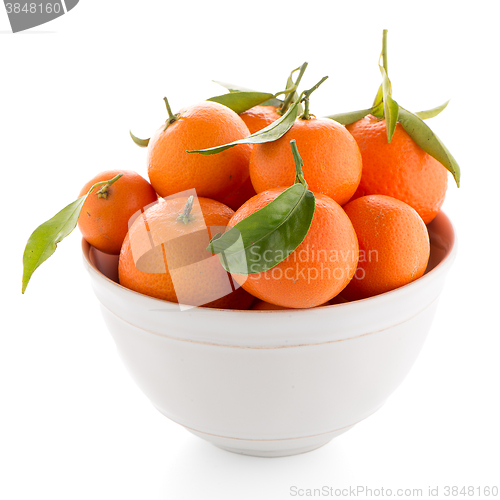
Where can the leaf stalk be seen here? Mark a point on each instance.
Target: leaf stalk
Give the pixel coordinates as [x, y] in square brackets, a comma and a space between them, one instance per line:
[286, 103]
[304, 97]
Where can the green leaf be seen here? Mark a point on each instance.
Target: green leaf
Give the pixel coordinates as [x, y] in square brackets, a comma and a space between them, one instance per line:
[428, 141]
[351, 116]
[391, 108]
[265, 238]
[143, 143]
[378, 103]
[43, 242]
[44, 239]
[391, 112]
[379, 98]
[268, 134]
[273, 101]
[431, 113]
[241, 101]
[290, 83]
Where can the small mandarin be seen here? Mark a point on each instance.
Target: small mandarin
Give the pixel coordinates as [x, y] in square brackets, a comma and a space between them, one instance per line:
[179, 268]
[261, 305]
[238, 197]
[259, 117]
[318, 269]
[255, 119]
[393, 244]
[332, 161]
[105, 215]
[400, 169]
[171, 169]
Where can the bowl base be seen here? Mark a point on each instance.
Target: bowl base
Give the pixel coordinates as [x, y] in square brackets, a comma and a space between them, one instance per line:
[272, 447]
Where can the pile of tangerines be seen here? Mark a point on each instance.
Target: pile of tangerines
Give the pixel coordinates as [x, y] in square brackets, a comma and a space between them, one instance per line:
[368, 234]
[373, 190]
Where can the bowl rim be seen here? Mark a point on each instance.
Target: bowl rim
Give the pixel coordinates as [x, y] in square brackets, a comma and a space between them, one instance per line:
[442, 266]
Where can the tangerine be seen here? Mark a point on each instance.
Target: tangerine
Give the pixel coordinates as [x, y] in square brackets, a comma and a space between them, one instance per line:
[171, 169]
[238, 197]
[400, 169]
[393, 244]
[259, 117]
[105, 215]
[255, 119]
[261, 305]
[318, 269]
[179, 268]
[332, 161]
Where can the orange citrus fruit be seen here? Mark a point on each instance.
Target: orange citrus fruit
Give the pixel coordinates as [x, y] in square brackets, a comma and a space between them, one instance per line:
[400, 169]
[393, 245]
[178, 268]
[238, 197]
[255, 119]
[332, 161]
[318, 269]
[207, 124]
[261, 305]
[337, 300]
[105, 215]
[259, 117]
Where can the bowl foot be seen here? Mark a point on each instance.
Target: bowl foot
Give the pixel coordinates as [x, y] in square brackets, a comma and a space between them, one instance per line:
[270, 447]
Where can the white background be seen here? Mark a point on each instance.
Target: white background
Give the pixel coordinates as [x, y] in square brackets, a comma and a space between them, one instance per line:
[73, 424]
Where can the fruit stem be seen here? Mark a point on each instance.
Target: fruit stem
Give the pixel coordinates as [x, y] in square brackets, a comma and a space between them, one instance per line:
[378, 102]
[299, 177]
[384, 51]
[103, 192]
[171, 117]
[286, 103]
[305, 115]
[185, 216]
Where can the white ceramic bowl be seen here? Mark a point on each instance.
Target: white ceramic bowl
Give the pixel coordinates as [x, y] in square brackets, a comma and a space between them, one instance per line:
[272, 383]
